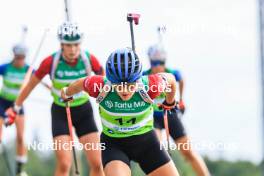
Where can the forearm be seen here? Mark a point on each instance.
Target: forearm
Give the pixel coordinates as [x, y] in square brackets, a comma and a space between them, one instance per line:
[181, 86]
[26, 90]
[75, 87]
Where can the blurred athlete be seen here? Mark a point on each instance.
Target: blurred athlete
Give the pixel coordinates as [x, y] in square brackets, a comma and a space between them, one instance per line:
[13, 74]
[157, 57]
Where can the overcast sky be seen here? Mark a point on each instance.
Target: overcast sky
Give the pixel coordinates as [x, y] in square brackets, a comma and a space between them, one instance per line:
[213, 43]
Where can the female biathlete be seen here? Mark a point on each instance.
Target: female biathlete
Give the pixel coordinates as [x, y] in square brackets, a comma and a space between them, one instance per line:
[125, 106]
[13, 74]
[64, 67]
[157, 57]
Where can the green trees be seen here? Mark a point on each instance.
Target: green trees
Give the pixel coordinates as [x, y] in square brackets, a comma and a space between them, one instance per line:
[238, 168]
[43, 165]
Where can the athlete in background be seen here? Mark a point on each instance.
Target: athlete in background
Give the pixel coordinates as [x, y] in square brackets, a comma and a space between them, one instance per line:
[157, 57]
[13, 74]
[64, 67]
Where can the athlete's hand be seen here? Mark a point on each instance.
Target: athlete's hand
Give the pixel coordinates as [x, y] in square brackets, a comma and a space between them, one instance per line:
[11, 114]
[168, 106]
[181, 106]
[64, 96]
